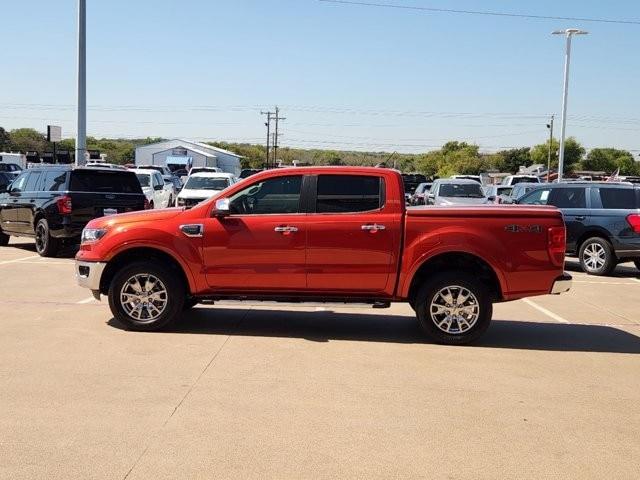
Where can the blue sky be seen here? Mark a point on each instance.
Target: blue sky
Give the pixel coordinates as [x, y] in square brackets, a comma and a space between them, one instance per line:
[344, 76]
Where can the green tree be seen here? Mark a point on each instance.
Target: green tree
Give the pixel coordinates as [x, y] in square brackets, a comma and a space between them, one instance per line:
[5, 140]
[430, 163]
[27, 139]
[573, 153]
[511, 160]
[607, 160]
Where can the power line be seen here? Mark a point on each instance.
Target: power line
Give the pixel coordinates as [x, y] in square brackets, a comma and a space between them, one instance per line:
[481, 12]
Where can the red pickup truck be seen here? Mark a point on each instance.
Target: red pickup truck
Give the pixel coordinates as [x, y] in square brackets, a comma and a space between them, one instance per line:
[329, 234]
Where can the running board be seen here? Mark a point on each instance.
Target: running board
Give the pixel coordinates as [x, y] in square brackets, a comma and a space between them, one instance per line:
[338, 303]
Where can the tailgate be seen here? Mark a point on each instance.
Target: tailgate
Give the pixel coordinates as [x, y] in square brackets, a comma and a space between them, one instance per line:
[87, 206]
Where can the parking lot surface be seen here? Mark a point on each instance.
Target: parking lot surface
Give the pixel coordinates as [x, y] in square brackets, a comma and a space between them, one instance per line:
[287, 391]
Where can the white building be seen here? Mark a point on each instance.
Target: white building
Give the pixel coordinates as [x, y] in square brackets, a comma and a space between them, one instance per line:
[186, 154]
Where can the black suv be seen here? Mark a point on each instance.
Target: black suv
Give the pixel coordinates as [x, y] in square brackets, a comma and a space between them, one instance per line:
[603, 221]
[53, 204]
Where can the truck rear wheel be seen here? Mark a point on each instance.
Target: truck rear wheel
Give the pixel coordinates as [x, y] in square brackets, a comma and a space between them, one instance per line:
[454, 308]
[46, 245]
[4, 239]
[145, 296]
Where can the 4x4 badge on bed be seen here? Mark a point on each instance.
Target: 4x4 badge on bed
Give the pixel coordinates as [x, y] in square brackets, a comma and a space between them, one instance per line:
[523, 228]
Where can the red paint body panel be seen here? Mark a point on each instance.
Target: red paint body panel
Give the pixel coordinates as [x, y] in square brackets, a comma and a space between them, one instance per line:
[330, 254]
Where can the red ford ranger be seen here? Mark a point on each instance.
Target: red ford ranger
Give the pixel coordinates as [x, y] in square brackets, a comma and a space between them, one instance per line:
[328, 234]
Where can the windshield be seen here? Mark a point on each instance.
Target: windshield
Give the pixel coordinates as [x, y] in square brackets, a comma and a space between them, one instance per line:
[524, 180]
[466, 190]
[144, 179]
[207, 183]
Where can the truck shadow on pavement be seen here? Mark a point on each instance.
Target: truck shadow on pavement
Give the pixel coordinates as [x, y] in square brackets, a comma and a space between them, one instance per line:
[325, 326]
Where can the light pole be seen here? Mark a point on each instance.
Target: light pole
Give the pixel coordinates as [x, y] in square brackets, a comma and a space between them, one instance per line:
[81, 129]
[550, 127]
[568, 33]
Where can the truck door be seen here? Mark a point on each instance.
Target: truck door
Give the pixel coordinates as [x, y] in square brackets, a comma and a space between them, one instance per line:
[26, 204]
[353, 235]
[260, 245]
[572, 202]
[9, 203]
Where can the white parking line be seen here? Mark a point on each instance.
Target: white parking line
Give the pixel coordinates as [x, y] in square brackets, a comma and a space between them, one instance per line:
[86, 300]
[548, 313]
[15, 260]
[604, 283]
[636, 280]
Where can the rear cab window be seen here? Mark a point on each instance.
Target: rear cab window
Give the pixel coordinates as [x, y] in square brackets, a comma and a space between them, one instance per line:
[349, 193]
[104, 181]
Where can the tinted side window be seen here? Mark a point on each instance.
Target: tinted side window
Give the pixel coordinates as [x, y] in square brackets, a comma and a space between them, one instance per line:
[537, 197]
[618, 198]
[569, 197]
[275, 195]
[54, 181]
[348, 193]
[32, 182]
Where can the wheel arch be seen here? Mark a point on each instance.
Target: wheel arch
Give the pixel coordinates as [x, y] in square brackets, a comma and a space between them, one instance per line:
[457, 261]
[137, 253]
[593, 232]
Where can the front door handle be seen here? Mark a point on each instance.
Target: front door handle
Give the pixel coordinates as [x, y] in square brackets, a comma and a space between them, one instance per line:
[286, 230]
[581, 217]
[373, 227]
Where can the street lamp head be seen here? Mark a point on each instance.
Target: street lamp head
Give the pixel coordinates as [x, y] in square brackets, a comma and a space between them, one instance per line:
[570, 31]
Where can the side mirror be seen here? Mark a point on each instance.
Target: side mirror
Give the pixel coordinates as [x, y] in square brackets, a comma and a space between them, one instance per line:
[4, 188]
[222, 207]
[492, 198]
[158, 187]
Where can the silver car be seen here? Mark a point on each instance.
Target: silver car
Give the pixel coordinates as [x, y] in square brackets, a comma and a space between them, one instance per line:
[451, 191]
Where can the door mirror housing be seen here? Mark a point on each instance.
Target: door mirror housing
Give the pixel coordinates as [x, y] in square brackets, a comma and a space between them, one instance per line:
[222, 207]
[492, 198]
[158, 187]
[4, 188]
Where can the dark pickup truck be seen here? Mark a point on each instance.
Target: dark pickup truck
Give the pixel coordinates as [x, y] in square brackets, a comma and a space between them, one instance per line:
[54, 203]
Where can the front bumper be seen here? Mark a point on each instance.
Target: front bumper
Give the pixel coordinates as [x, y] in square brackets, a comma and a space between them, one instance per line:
[88, 274]
[562, 284]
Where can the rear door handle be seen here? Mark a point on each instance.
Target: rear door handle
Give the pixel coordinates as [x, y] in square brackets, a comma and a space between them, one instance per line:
[285, 230]
[373, 227]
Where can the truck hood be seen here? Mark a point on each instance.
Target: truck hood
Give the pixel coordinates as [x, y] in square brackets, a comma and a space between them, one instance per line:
[491, 210]
[198, 193]
[135, 217]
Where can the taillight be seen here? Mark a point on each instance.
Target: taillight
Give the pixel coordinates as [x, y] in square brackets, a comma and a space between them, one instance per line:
[557, 244]
[64, 204]
[634, 221]
[147, 205]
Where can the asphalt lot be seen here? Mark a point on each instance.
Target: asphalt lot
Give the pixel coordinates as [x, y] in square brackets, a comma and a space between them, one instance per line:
[270, 391]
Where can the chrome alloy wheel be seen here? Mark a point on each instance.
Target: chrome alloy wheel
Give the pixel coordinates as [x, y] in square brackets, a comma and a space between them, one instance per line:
[594, 256]
[454, 309]
[41, 237]
[143, 297]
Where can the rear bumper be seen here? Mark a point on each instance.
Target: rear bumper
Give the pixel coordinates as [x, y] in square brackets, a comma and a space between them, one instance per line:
[562, 284]
[89, 274]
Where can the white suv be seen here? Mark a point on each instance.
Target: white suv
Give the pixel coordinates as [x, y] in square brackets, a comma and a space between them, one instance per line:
[203, 185]
[152, 185]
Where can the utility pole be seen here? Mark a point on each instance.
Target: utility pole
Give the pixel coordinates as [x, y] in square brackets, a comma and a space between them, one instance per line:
[569, 33]
[275, 140]
[81, 129]
[268, 125]
[550, 127]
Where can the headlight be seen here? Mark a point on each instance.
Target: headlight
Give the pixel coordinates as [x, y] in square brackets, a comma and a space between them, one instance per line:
[92, 234]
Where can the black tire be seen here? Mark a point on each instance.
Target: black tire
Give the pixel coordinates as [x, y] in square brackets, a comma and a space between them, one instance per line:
[597, 257]
[46, 245]
[4, 239]
[163, 278]
[189, 303]
[637, 264]
[478, 308]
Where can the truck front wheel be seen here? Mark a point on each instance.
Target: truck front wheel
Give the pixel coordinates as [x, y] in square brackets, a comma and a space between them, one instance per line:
[454, 308]
[146, 296]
